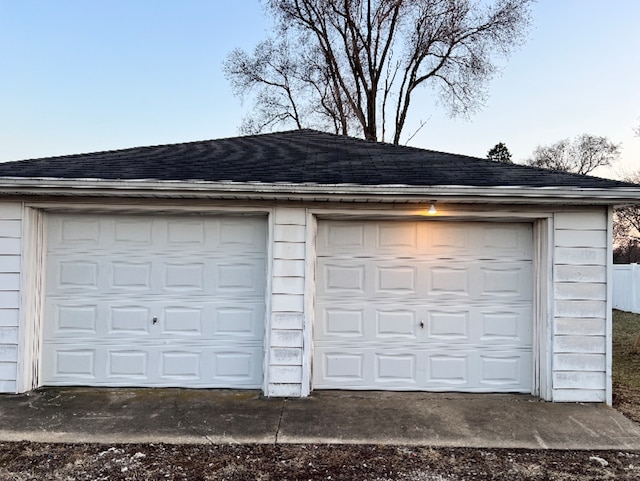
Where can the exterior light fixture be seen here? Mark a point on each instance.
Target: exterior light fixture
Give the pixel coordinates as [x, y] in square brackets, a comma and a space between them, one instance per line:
[432, 210]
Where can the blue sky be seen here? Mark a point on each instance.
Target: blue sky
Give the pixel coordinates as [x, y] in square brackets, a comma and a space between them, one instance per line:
[80, 76]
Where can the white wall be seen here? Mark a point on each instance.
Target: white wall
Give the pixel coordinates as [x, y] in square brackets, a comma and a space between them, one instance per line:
[580, 306]
[626, 287]
[10, 266]
[287, 303]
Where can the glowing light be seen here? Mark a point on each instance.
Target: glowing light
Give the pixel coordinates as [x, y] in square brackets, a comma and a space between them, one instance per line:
[432, 210]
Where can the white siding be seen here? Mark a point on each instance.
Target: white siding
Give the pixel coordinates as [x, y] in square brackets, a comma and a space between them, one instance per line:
[287, 303]
[10, 250]
[580, 317]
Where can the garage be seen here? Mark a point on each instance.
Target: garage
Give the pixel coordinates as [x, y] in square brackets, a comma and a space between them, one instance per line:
[424, 305]
[154, 300]
[297, 261]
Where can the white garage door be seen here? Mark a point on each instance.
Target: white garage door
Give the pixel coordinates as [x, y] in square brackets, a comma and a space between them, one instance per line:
[154, 301]
[428, 305]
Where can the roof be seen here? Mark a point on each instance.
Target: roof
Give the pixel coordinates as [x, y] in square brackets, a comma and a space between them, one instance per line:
[297, 157]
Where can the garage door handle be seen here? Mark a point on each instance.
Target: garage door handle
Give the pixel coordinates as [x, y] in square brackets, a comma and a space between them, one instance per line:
[421, 325]
[154, 320]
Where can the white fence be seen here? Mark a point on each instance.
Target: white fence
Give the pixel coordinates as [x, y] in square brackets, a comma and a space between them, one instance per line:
[626, 287]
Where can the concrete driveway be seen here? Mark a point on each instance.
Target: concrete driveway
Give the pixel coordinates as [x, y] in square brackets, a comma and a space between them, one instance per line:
[221, 416]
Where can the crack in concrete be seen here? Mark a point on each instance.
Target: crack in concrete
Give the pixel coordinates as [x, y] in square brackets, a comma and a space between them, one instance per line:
[275, 441]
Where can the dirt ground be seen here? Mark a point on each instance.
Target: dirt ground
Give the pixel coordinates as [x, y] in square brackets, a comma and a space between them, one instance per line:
[27, 461]
[31, 461]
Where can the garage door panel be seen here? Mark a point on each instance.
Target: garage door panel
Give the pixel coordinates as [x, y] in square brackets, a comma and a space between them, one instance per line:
[72, 274]
[396, 323]
[401, 238]
[230, 320]
[139, 232]
[342, 322]
[505, 369]
[440, 369]
[482, 325]
[450, 280]
[424, 323]
[484, 371]
[77, 363]
[423, 279]
[342, 278]
[506, 280]
[119, 274]
[424, 306]
[479, 239]
[154, 301]
[345, 322]
[448, 369]
[104, 318]
[84, 274]
[183, 276]
[341, 237]
[180, 365]
[242, 235]
[506, 326]
[449, 239]
[448, 325]
[77, 319]
[238, 367]
[396, 280]
[76, 231]
[396, 367]
[478, 280]
[341, 367]
[126, 233]
[506, 240]
[113, 365]
[241, 277]
[127, 363]
[127, 320]
[129, 275]
[352, 320]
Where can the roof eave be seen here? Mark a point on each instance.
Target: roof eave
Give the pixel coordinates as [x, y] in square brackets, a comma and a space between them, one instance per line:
[289, 191]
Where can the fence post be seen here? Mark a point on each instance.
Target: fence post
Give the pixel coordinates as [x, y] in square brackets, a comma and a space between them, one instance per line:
[634, 288]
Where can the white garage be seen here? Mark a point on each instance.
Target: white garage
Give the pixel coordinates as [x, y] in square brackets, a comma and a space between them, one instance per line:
[298, 261]
[424, 305]
[154, 301]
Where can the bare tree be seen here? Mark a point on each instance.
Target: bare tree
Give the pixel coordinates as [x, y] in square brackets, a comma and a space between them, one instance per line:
[626, 236]
[626, 227]
[581, 156]
[626, 233]
[354, 65]
[500, 153]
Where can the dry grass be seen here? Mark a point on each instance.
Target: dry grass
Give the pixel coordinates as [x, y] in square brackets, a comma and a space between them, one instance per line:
[626, 364]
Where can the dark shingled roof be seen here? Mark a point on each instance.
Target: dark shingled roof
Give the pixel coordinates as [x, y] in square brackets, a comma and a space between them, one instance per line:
[298, 157]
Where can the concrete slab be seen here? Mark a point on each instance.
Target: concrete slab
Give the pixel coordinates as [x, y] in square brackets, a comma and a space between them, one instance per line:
[221, 416]
[484, 420]
[139, 416]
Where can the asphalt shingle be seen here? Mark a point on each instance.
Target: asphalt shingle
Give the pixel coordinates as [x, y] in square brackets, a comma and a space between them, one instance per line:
[297, 157]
